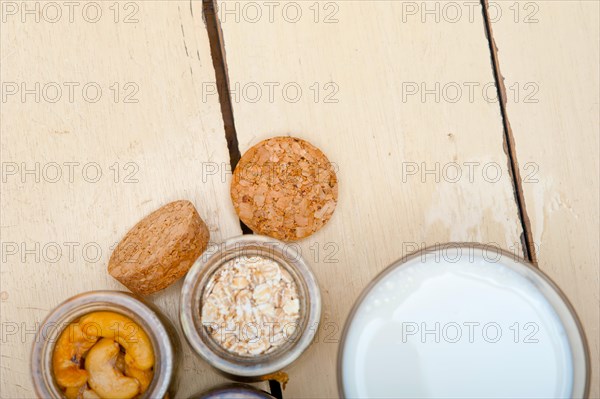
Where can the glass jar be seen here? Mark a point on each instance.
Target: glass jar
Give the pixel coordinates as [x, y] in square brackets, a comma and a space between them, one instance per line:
[157, 327]
[234, 391]
[463, 320]
[193, 294]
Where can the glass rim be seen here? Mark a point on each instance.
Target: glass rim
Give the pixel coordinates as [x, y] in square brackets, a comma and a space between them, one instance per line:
[101, 300]
[193, 290]
[581, 390]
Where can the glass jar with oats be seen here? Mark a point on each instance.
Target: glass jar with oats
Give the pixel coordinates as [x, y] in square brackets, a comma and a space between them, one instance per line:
[250, 306]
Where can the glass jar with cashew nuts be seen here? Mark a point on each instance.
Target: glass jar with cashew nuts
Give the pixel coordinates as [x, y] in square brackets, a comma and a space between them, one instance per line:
[250, 307]
[104, 344]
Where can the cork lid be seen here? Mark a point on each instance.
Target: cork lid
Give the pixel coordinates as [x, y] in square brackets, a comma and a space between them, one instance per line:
[285, 188]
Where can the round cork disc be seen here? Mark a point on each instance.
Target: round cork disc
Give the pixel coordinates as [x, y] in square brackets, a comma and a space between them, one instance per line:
[285, 188]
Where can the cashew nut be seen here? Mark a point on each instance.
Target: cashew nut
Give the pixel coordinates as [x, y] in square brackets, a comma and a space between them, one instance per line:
[104, 378]
[90, 394]
[82, 392]
[74, 392]
[120, 363]
[70, 347]
[137, 345]
[143, 376]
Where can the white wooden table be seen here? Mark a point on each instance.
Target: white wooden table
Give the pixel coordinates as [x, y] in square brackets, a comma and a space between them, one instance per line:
[110, 109]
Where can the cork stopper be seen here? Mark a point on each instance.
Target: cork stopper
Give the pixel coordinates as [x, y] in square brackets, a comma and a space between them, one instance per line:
[285, 188]
[160, 248]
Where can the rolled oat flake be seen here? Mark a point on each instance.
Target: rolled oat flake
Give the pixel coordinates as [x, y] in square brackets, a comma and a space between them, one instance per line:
[251, 306]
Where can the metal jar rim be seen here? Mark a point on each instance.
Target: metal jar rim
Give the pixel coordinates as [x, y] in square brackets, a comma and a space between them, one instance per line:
[191, 291]
[79, 305]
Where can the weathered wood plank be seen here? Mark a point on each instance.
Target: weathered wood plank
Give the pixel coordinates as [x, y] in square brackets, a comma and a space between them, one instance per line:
[549, 58]
[351, 78]
[148, 133]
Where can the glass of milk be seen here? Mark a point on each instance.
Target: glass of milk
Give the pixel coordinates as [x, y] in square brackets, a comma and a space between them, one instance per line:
[462, 321]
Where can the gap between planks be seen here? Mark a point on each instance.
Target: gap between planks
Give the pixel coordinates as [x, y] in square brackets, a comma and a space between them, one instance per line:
[217, 52]
[509, 142]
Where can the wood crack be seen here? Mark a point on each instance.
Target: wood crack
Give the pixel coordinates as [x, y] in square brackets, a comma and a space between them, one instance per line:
[529, 251]
[217, 51]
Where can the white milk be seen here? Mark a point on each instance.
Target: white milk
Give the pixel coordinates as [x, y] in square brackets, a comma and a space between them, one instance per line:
[466, 329]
